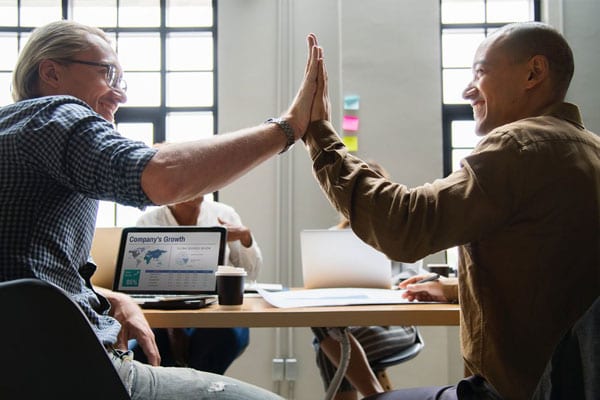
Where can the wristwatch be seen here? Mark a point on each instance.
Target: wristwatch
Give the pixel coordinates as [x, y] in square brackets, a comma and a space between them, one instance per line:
[287, 130]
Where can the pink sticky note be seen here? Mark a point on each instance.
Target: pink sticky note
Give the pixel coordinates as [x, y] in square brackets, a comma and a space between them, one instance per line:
[350, 123]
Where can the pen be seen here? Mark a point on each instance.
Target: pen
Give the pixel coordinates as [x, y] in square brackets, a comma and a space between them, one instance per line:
[431, 278]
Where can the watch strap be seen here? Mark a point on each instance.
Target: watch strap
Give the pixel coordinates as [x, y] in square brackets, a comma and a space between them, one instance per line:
[287, 130]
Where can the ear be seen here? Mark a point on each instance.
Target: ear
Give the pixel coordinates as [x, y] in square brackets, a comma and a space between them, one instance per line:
[539, 71]
[50, 73]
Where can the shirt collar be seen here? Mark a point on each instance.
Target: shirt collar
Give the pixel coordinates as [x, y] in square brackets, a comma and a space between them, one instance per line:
[567, 111]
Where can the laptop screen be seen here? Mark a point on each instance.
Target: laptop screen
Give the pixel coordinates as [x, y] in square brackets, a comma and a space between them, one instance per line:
[339, 258]
[169, 260]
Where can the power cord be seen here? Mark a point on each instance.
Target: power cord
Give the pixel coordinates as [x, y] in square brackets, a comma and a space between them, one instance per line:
[342, 336]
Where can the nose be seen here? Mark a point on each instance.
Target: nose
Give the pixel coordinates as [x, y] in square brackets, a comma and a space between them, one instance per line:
[121, 95]
[469, 91]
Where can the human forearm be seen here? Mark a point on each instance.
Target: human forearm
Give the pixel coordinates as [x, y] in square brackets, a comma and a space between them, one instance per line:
[181, 171]
[406, 224]
[133, 324]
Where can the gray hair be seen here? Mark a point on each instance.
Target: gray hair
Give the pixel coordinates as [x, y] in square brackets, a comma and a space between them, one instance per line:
[56, 40]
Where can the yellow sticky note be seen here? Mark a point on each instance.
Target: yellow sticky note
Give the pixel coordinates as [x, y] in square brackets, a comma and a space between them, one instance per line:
[351, 142]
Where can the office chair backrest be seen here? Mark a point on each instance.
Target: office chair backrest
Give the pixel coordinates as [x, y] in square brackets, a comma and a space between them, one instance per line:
[49, 350]
[573, 371]
[379, 366]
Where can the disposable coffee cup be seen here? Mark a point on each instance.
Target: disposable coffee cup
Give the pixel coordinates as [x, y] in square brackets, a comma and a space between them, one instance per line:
[230, 286]
[440, 269]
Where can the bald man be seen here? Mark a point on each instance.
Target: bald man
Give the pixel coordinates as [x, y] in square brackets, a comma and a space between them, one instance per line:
[523, 209]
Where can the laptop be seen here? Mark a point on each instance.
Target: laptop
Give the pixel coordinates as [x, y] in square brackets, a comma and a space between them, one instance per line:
[338, 258]
[167, 264]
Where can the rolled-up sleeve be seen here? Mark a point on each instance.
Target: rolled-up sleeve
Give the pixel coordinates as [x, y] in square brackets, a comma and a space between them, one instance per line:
[83, 152]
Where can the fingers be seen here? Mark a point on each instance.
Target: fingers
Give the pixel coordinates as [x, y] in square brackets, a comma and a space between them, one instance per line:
[325, 83]
[311, 41]
[313, 65]
[321, 106]
[299, 113]
[419, 296]
[148, 345]
[410, 281]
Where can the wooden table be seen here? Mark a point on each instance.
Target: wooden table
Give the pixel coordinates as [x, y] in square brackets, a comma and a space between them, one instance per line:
[256, 312]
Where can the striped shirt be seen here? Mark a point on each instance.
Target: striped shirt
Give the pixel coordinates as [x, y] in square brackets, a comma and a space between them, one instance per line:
[57, 159]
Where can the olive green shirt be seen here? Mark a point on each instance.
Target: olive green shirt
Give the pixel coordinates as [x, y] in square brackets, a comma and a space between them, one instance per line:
[525, 211]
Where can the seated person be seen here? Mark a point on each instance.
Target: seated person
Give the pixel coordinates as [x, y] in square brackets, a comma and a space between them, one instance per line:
[519, 209]
[368, 343]
[206, 349]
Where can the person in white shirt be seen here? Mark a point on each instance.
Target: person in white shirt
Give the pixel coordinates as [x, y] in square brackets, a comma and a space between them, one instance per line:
[206, 349]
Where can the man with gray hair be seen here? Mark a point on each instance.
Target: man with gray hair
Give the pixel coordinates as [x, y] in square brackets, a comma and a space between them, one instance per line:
[60, 154]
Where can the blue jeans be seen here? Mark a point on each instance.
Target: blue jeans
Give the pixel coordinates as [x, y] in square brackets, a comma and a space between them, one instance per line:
[208, 349]
[145, 382]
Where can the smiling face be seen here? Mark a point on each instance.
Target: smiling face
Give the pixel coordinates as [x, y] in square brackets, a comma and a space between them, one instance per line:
[85, 75]
[497, 91]
[89, 83]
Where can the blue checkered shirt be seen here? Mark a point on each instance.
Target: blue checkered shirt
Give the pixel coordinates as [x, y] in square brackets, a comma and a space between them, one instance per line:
[57, 159]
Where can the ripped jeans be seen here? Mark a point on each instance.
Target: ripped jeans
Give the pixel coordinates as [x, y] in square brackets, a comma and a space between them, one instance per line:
[145, 382]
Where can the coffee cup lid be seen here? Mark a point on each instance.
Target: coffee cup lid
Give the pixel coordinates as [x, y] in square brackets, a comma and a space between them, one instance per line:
[228, 270]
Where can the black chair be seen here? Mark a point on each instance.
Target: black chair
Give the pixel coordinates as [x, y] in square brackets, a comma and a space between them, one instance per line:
[49, 350]
[379, 366]
[573, 372]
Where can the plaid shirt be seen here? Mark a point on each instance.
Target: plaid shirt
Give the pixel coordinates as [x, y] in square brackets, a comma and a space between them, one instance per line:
[57, 159]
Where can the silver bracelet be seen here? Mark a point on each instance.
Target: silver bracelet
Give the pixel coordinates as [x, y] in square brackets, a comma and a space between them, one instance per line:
[287, 130]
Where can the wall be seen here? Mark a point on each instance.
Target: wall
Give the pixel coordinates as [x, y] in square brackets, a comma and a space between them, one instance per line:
[582, 30]
[388, 53]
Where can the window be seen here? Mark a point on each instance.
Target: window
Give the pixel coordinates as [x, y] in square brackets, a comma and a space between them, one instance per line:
[168, 52]
[464, 24]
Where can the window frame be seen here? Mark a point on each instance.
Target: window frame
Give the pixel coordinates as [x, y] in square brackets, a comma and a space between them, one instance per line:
[463, 112]
[154, 115]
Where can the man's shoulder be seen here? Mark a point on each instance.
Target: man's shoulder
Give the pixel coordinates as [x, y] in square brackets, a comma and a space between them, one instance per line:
[67, 105]
[48, 107]
[51, 101]
[544, 129]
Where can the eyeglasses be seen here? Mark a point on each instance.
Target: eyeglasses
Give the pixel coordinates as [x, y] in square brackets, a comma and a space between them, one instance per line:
[113, 79]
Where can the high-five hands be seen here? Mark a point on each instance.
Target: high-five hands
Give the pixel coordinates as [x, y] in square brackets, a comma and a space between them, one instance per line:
[299, 114]
[321, 107]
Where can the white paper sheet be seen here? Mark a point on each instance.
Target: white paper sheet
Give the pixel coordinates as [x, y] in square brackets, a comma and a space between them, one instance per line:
[332, 297]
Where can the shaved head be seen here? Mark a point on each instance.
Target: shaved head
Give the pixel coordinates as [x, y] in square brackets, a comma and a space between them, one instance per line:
[525, 40]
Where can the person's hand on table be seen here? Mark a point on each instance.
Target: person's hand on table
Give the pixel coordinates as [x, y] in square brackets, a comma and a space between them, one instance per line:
[428, 291]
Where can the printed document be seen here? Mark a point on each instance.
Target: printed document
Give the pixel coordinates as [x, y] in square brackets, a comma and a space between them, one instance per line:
[332, 297]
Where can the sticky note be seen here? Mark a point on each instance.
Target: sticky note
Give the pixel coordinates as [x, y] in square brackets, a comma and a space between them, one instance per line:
[351, 102]
[351, 142]
[350, 123]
